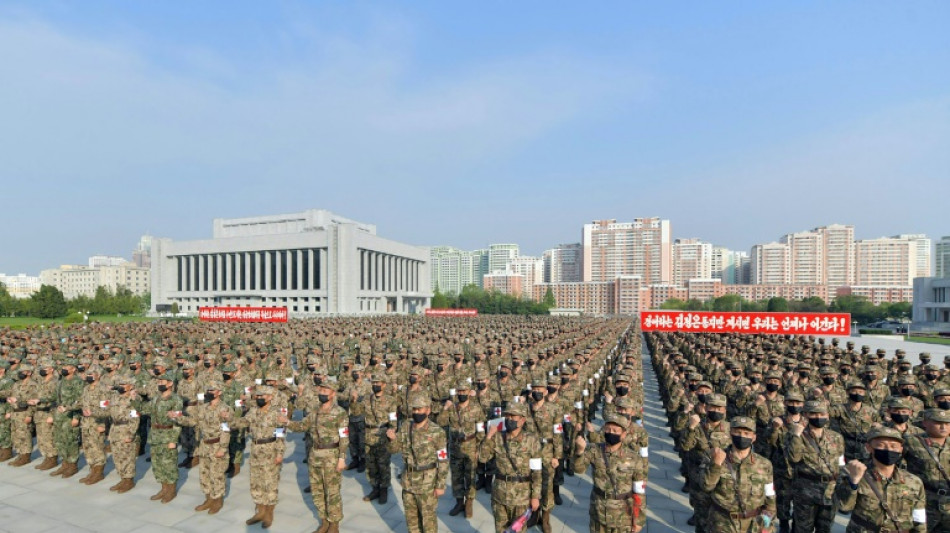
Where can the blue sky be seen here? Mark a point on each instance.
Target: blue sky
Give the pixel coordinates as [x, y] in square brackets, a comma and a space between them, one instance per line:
[469, 123]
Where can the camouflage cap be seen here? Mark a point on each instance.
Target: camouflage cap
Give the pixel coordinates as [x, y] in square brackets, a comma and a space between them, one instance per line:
[774, 375]
[827, 371]
[462, 384]
[229, 368]
[706, 384]
[214, 384]
[25, 367]
[942, 392]
[625, 402]
[742, 422]
[937, 415]
[896, 402]
[45, 362]
[378, 377]
[483, 374]
[70, 361]
[165, 376]
[264, 390]
[814, 406]
[855, 384]
[626, 379]
[418, 402]
[884, 432]
[554, 380]
[4, 364]
[794, 396]
[716, 400]
[516, 408]
[124, 380]
[617, 420]
[906, 380]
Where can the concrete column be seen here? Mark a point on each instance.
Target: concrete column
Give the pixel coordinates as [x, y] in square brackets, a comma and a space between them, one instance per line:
[324, 278]
[298, 258]
[278, 268]
[199, 259]
[266, 260]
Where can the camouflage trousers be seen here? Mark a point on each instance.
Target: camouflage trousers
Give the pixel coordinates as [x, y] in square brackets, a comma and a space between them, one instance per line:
[420, 511]
[699, 500]
[6, 435]
[326, 485]
[377, 459]
[506, 514]
[22, 425]
[547, 486]
[720, 523]
[93, 442]
[265, 475]
[813, 511]
[212, 471]
[464, 458]
[938, 514]
[66, 437]
[357, 427]
[43, 421]
[165, 462]
[123, 456]
[613, 516]
[237, 444]
[187, 440]
[783, 497]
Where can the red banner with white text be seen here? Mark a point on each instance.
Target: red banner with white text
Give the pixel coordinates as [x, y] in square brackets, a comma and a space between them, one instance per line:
[764, 323]
[451, 312]
[242, 314]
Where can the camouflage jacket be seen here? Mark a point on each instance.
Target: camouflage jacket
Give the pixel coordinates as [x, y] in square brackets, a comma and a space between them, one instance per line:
[740, 485]
[157, 408]
[905, 497]
[329, 431]
[619, 492]
[518, 458]
[209, 425]
[425, 456]
[921, 463]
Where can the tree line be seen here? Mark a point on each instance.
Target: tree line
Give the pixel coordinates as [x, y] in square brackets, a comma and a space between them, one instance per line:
[49, 302]
[862, 310]
[491, 302]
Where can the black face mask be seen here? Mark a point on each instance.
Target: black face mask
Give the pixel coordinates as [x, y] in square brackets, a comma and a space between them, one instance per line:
[374, 362]
[261, 402]
[856, 398]
[463, 398]
[943, 405]
[931, 377]
[772, 387]
[163, 388]
[180, 363]
[81, 368]
[120, 390]
[715, 416]
[530, 364]
[187, 374]
[754, 380]
[736, 373]
[887, 457]
[702, 397]
[419, 418]
[564, 381]
[23, 375]
[845, 372]
[390, 364]
[828, 381]
[793, 409]
[209, 397]
[907, 392]
[481, 385]
[64, 372]
[280, 361]
[324, 398]
[377, 389]
[415, 363]
[693, 386]
[899, 418]
[819, 422]
[502, 375]
[612, 439]
[207, 364]
[552, 390]
[44, 372]
[622, 391]
[90, 379]
[741, 443]
[516, 364]
[355, 375]
[413, 380]
[440, 368]
[511, 425]
[868, 378]
[133, 368]
[537, 395]
[458, 359]
[314, 367]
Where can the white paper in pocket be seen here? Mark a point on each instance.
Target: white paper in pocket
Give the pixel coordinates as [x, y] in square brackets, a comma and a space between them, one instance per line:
[840, 460]
[392, 416]
[104, 404]
[451, 392]
[238, 403]
[280, 433]
[590, 381]
[644, 452]
[534, 464]
[639, 487]
[290, 381]
[259, 381]
[585, 392]
[579, 405]
[497, 423]
[225, 427]
[133, 413]
[201, 396]
[247, 391]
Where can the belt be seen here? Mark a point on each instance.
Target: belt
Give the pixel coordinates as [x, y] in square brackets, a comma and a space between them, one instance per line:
[161, 426]
[212, 441]
[816, 477]
[422, 468]
[268, 440]
[190, 404]
[43, 409]
[740, 516]
[600, 492]
[514, 479]
[326, 446]
[381, 426]
[122, 423]
[867, 524]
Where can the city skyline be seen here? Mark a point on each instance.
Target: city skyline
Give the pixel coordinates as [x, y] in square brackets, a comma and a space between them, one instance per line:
[469, 124]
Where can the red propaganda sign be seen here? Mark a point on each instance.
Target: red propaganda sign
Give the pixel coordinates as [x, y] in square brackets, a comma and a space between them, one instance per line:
[765, 323]
[451, 312]
[242, 314]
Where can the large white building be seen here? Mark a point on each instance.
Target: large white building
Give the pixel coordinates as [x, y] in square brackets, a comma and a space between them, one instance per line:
[452, 269]
[564, 264]
[887, 261]
[313, 263]
[21, 285]
[726, 265]
[942, 258]
[642, 248]
[923, 245]
[692, 259]
[770, 264]
[82, 280]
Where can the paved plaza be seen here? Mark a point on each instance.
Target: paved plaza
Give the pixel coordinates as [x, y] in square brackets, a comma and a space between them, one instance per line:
[32, 501]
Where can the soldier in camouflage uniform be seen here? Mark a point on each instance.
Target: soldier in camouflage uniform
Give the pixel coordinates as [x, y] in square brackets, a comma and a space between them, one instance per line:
[66, 419]
[701, 436]
[163, 436]
[545, 420]
[518, 462]
[268, 438]
[928, 457]
[95, 413]
[6, 437]
[782, 471]
[213, 436]
[188, 388]
[328, 426]
[490, 403]
[23, 400]
[379, 412]
[423, 447]
[355, 393]
[853, 420]
[123, 411]
[739, 483]
[466, 423]
[618, 496]
[817, 453]
[880, 496]
[44, 422]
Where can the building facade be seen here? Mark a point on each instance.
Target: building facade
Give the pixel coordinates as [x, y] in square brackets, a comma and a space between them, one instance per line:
[313, 263]
[770, 264]
[564, 264]
[642, 248]
[886, 261]
[923, 246]
[942, 258]
[81, 280]
[692, 259]
[931, 310]
[452, 269]
[21, 285]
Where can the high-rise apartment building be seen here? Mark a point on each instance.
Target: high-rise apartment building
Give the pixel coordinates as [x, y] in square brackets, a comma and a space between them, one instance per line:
[499, 255]
[692, 259]
[837, 241]
[726, 265]
[770, 264]
[531, 270]
[640, 248]
[923, 245]
[564, 264]
[452, 269]
[885, 261]
[942, 258]
[142, 255]
[81, 280]
[806, 257]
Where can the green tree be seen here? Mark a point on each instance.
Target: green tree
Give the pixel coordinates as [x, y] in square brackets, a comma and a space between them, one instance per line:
[674, 303]
[439, 300]
[777, 305]
[175, 308]
[49, 302]
[812, 304]
[727, 302]
[549, 302]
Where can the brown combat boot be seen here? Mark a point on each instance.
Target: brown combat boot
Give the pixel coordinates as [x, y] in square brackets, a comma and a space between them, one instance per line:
[546, 522]
[186, 462]
[334, 527]
[468, 507]
[323, 527]
[194, 462]
[48, 463]
[171, 493]
[22, 459]
[205, 505]
[126, 485]
[160, 494]
[95, 475]
[6, 454]
[69, 470]
[268, 518]
[236, 470]
[216, 505]
[59, 471]
[258, 515]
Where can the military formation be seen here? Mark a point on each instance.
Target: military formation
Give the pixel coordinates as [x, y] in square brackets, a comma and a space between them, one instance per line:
[784, 433]
[505, 405]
